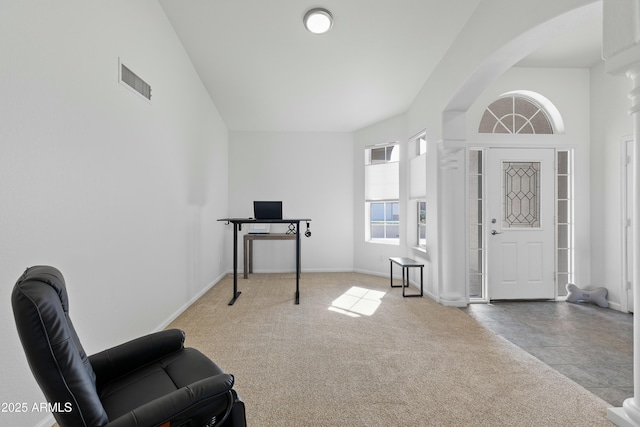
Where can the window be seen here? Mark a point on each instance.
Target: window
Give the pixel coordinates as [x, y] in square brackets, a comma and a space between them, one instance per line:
[515, 114]
[418, 189]
[420, 144]
[565, 221]
[385, 220]
[382, 155]
[422, 224]
[477, 276]
[382, 193]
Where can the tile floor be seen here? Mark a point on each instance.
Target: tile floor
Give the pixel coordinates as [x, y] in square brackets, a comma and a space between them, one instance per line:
[593, 346]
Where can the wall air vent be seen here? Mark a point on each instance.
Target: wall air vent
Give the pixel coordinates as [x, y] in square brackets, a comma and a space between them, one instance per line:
[131, 79]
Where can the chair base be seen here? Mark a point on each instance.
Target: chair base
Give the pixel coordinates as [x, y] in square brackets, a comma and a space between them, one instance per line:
[238, 415]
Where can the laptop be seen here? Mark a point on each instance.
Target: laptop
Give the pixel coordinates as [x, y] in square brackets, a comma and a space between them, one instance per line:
[267, 210]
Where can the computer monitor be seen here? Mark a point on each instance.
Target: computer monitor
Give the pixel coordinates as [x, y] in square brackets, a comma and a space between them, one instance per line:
[267, 210]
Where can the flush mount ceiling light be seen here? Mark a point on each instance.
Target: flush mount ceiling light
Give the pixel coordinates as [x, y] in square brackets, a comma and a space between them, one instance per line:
[318, 20]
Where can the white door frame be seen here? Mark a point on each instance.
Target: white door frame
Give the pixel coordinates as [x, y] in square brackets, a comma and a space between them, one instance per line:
[484, 143]
[626, 180]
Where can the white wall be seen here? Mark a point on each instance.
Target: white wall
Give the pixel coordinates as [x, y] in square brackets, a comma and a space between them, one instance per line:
[120, 194]
[312, 174]
[610, 123]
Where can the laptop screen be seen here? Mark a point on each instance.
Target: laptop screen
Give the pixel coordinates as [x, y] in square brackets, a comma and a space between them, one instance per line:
[267, 210]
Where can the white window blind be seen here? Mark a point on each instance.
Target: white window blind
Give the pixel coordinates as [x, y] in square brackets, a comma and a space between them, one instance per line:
[418, 166]
[382, 181]
[418, 177]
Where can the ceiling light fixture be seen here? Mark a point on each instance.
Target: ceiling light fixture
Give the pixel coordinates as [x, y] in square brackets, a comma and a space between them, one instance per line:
[318, 20]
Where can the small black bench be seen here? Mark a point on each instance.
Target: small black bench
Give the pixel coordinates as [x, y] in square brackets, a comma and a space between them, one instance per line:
[406, 263]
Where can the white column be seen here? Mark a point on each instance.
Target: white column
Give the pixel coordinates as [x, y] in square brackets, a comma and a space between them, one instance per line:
[629, 414]
[453, 220]
[632, 406]
[621, 51]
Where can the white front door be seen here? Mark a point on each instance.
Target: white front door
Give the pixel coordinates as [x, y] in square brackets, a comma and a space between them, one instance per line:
[520, 211]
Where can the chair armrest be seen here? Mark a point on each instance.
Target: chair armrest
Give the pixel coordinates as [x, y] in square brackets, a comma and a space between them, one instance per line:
[180, 403]
[124, 358]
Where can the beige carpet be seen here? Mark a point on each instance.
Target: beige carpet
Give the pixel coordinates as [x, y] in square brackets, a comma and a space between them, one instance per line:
[404, 362]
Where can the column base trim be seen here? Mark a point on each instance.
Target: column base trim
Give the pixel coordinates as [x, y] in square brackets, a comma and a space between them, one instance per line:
[453, 302]
[619, 418]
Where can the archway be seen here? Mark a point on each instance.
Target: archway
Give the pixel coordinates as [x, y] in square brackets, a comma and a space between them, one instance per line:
[452, 180]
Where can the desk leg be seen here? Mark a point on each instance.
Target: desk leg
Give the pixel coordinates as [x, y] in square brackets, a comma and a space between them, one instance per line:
[236, 294]
[298, 263]
[250, 256]
[245, 247]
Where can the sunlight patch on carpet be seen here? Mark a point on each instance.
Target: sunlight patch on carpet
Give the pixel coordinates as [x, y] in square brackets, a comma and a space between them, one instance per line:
[358, 301]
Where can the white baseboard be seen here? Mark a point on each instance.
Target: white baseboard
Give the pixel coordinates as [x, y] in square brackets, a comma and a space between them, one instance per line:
[288, 271]
[327, 270]
[616, 306]
[432, 296]
[47, 422]
[371, 273]
[188, 304]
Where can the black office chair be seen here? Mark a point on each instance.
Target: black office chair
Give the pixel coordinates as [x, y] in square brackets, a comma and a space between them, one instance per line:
[150, 381]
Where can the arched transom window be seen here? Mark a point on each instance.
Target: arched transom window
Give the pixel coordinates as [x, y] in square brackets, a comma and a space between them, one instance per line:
[515, 114]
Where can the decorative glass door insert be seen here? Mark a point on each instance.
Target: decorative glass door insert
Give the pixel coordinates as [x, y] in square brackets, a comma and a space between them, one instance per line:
[521, 194]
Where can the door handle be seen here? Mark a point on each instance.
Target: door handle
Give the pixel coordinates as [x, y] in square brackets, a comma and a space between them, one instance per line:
[494, 232]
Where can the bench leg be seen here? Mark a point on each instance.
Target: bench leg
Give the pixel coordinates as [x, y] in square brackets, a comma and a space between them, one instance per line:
[403, 288]
[391, 275]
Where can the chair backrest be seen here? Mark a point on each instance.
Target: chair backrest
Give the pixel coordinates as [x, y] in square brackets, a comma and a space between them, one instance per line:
[55, 355]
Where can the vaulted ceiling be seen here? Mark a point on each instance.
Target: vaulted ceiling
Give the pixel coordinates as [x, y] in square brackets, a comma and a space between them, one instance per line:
[265, 72]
